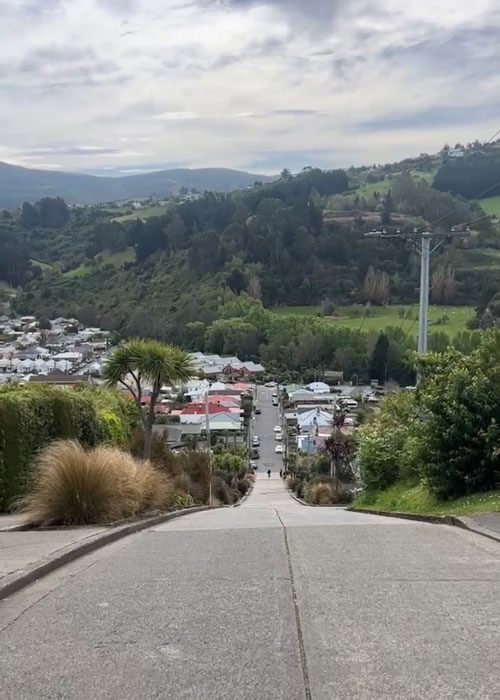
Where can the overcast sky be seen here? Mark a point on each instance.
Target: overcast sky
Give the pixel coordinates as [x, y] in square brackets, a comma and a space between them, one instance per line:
[127, 85]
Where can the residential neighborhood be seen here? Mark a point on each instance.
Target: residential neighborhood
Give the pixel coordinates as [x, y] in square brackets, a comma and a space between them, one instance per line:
[63, 351]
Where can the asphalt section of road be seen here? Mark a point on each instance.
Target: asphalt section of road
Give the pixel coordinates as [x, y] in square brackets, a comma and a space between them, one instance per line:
[271, 600]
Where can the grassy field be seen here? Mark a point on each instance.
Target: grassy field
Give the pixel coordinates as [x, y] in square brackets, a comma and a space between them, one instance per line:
[483, 259]
[117, 259]
[383, 186]
[141, 214]
[43, 266]
[491, 205]
[405, 317]
[411, 498]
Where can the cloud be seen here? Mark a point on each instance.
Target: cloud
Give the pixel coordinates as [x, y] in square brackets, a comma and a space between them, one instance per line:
[244, 83]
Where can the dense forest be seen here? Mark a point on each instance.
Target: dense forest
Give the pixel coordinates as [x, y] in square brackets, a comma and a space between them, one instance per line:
[473, 176]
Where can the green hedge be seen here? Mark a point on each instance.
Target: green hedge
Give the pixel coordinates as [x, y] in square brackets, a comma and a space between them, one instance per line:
[33, 416]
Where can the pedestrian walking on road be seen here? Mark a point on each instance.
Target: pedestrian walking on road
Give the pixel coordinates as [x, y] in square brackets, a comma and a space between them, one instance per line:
[269, 473]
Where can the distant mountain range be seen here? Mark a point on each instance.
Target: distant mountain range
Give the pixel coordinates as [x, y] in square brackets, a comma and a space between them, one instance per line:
[18, 185]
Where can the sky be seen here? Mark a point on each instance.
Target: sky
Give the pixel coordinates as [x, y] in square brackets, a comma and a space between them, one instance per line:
[125, 86]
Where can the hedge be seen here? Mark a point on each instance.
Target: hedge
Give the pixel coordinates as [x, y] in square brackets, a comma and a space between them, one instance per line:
[33, 416]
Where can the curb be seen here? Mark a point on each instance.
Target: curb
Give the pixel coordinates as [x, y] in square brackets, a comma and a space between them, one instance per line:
[452, 520]
[16, 581]
[317, 505]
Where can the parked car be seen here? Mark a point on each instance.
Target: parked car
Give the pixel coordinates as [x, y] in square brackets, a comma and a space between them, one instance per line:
[254, 466]
[255, 441]
[270, 385]
[275, 402]
[277, 428]
[257, 411]
[254, 453]
[278, 436]
[279, 449]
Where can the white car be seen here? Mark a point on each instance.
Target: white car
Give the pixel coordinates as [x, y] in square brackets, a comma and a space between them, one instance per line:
[277, 428]
[278, 436]
[270, 385]
[279, 449]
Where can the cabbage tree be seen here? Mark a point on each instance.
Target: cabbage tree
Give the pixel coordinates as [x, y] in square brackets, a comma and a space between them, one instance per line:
[140, 364]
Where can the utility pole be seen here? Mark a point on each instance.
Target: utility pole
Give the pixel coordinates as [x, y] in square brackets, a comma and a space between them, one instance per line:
[426, 252]
[423, 319]
[209, 449]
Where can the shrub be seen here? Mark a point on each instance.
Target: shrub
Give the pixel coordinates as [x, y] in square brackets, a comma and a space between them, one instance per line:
[382, 441]
[221, 492]
[118, 413]
[195, 464]
[179, 499]
[161, 455]
[182, 483]
[243, 486]
[72, 486]
[32, 416]
[321, 494]
[460, 403]
[300, 489]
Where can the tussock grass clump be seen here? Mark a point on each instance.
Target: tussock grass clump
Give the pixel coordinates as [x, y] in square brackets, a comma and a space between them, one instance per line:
[74, 486]
[323, 491]
[321, 494]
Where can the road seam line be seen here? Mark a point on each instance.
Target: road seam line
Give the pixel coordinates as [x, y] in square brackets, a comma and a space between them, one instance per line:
[302, 649]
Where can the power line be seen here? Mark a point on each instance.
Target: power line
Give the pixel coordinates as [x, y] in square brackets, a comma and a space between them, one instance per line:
[479, 196]
[497, 133]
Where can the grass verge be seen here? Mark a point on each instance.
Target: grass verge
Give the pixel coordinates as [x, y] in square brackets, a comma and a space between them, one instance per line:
[415, 498]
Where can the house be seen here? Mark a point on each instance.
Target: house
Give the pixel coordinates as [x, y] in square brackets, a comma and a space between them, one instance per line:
[225, 422]
[304, 396]
[196, 413]
[242, 369]
[314, 419]
[318, 388]
[334, 376]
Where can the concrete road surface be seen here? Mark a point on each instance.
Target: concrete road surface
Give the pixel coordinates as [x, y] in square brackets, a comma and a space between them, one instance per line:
[268, 601]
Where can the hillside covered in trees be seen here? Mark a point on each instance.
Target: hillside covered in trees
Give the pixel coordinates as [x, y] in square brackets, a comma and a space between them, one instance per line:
[298, 241]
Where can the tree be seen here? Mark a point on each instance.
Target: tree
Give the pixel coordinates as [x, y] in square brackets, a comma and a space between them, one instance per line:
[236, 280]
[339, 448]
[52, 212]
[141, 363]
[375, 287]
[444, 285]
[378, 363]
[44, 323]
[388, 206]
[29, 216]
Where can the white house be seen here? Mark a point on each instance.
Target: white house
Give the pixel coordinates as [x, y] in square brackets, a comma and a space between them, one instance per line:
[314, 418]
[318, 387]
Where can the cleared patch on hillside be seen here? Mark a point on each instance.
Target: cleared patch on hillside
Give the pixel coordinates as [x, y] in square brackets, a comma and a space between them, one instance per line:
[449, 319]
